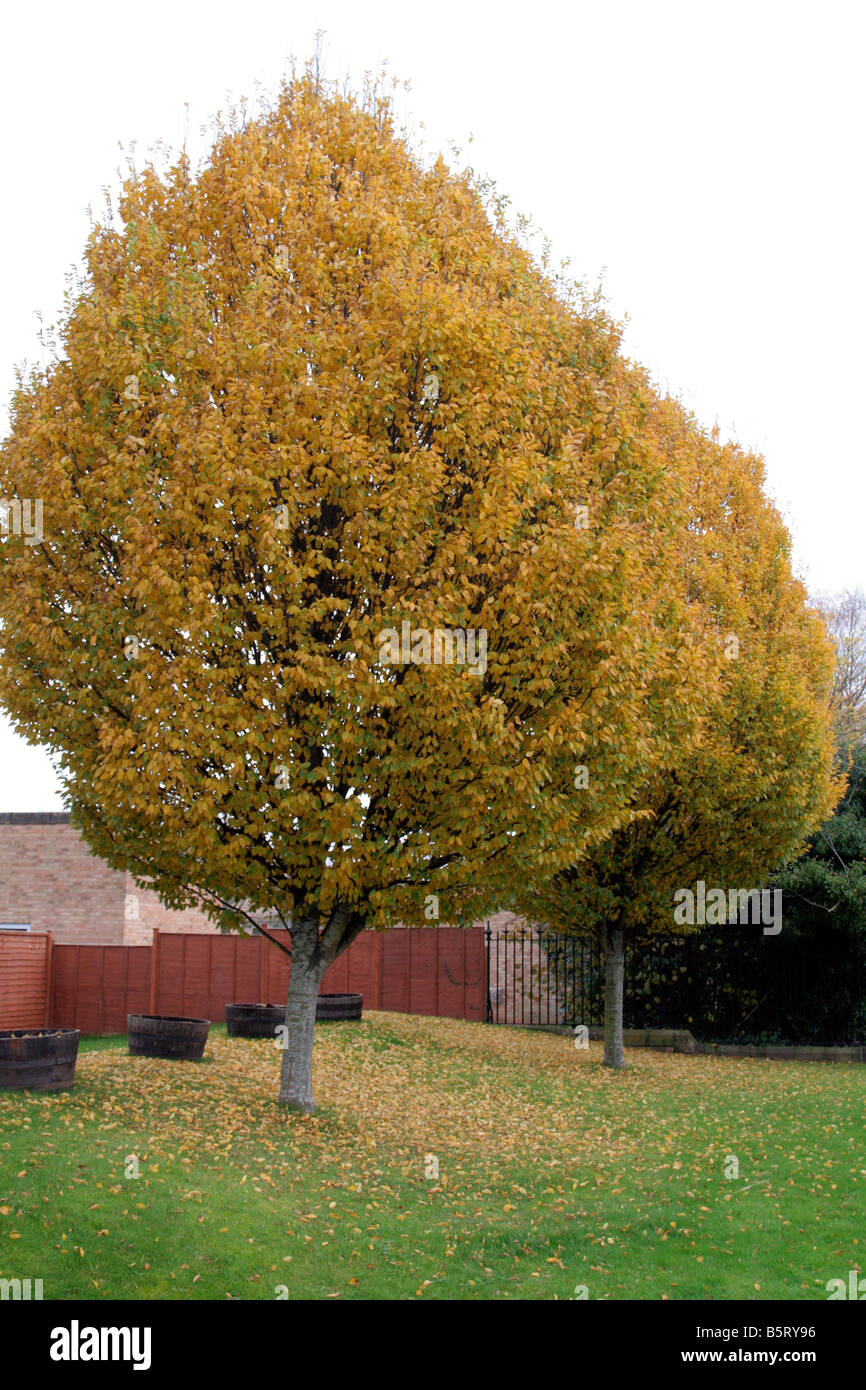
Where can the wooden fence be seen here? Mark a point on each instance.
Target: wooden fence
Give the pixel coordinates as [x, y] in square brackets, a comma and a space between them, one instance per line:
[25, 979]
[422, 970]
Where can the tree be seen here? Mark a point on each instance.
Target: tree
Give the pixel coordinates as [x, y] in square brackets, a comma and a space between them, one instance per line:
[743, 795]
[350, 543]
[825, 889]
[845, 619]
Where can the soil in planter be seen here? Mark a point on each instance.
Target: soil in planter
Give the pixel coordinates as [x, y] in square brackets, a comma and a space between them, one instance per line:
[33, 1033]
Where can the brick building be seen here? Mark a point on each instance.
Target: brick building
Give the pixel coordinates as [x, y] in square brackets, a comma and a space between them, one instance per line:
[51, 881]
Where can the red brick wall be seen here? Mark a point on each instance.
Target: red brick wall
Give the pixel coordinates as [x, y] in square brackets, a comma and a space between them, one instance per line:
[144, 911]
[49, 878]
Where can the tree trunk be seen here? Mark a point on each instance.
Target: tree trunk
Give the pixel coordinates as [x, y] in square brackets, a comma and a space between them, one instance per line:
[308, 966]
[613, 941]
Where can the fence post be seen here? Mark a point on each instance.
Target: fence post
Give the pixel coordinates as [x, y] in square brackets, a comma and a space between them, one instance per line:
[487, 936]
[49, 980]
[263, 968]
[101, 991]
[154, 969]
[379, 968]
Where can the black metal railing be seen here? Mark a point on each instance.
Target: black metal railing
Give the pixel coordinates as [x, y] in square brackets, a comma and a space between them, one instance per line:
[727, 985]
[541, 977]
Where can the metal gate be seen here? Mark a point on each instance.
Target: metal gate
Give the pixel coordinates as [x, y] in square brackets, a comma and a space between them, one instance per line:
[536, 976]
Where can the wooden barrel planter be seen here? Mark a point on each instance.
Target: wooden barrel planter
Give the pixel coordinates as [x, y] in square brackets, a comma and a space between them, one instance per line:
[38, 1059]
[158, 1035]
[254, 1020]
[338, 1006]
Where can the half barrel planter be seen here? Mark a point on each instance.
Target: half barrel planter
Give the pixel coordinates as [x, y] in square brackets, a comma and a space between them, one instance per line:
[38, 1059]
[160, 1035]
[254, 1020]
[338, 1006]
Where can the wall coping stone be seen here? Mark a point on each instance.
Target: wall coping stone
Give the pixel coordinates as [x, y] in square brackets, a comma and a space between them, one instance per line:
[35, 818]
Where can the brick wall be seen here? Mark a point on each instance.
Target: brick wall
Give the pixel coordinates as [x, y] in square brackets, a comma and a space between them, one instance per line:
[520, 986]
[144, 911]
[50, 879]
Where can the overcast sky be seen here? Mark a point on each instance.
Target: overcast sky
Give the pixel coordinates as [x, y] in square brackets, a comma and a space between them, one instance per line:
[705, 159]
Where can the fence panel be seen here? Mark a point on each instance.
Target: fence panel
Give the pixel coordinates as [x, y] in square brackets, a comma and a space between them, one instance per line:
[535, 978]
[361, 965]
[411, 970]
[95, 987]
[423, 972]
[279, 967]
[25, 968]
[461, 973]
[395, 971]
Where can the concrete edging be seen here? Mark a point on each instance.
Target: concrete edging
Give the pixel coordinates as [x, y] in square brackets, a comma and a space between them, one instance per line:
[683, 1041]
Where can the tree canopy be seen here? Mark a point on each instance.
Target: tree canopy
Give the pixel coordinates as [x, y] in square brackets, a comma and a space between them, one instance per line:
[845, 618]
[309, 397]
[742, 796]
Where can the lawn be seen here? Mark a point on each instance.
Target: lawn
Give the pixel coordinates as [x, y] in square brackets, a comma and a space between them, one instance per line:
[553, 1173]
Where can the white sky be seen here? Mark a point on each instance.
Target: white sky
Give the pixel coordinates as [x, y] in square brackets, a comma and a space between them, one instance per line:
[707, 157]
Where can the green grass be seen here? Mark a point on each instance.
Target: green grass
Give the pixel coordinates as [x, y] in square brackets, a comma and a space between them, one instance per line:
[89, 1043]
[553, 1172]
